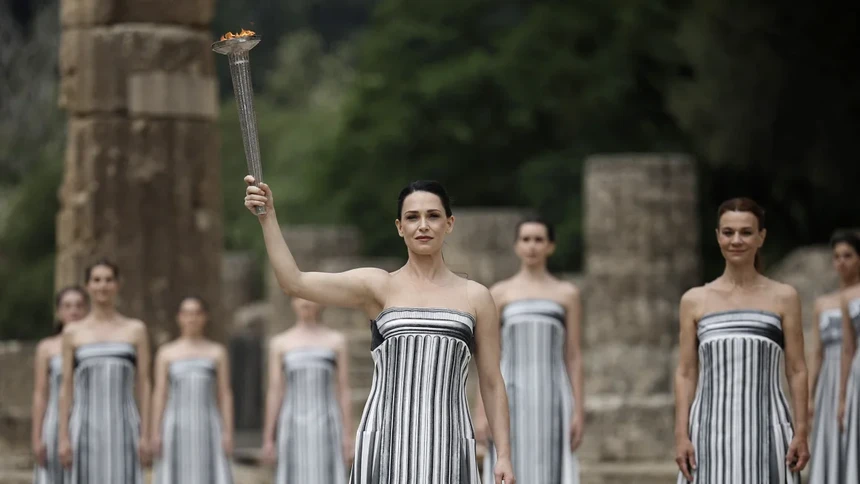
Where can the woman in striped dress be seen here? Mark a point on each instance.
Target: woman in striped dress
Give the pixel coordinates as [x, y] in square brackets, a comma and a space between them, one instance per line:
[192, 405]
[71, 305]
[103, 434]
[541, 364]
[733, 421]
[308, 402]
[426, 323]
[849, 395]
[825, 465]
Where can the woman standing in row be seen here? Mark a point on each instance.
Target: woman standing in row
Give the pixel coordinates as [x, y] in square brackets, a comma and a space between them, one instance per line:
[308, 402]
[106, 360]
[192, 425]
[733, 422]
[826, 464]
[541, 364]
[849, 396]
[426, 321]
[71, 305]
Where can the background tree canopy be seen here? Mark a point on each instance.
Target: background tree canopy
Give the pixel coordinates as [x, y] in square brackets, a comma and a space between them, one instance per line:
[502, 102]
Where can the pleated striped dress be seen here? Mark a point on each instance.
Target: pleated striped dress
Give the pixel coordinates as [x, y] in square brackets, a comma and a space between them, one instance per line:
[105, 425]
[52, 472]
[740, 420]
[191, 449]
[852, 408]
[540, 397]
[310, 423]
[416, 427]
[825, 465]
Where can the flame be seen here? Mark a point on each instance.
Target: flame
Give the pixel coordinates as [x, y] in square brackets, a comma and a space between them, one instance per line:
[243, 33]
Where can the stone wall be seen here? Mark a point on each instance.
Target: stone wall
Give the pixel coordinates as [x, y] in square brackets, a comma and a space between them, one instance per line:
[142, 173]
[642, 253]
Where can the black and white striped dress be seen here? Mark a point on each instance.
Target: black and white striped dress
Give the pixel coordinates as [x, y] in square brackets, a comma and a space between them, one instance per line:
[852, 408]
[740, 420]
[191, 449]
[105, 423]
[416, 427]
[52, 472]
[310, 422]
[825, 465]
[539, 394]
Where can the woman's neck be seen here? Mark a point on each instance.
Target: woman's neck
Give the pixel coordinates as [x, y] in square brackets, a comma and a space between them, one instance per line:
[741, 276]
[427, 267]
[533, 272]
[103, 312]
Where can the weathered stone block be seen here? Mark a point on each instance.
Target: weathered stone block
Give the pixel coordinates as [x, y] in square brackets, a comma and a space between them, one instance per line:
[77, 13]
[97, 66]
[162, 94]
[628, 369]
[485, 229]
[628, 429]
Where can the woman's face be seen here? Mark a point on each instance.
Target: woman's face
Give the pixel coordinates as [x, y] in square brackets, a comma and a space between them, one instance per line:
[72, 307]
[102, 285]
[739, 237]
[191, 317]
[423, 224]
[846, 261]
[533, 246]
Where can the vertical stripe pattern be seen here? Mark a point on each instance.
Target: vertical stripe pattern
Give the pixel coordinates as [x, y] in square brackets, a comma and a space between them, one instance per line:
[740, 420]
[852, 408]
[416, 427]
[825, 465]
[539, 394]
[52, 472]
[192, 452]
[105, 423]
[310, 424]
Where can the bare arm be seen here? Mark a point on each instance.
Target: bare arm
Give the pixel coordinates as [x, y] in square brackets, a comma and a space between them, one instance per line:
[849, 343]
[274, 392]
[687, 373]
[497, 293]
[343, 390]
[492, 386]
[144, 384]
[67, 386]
[356, 288]
[40, 394]
[795, 361]
[159, 394]
[225, 393]
[573, 349]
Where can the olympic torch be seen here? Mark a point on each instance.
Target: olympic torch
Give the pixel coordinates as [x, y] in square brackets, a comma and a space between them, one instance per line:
[237, 48]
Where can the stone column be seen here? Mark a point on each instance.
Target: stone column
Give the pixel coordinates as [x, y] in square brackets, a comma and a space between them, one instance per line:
[142, 171]
[642, 253]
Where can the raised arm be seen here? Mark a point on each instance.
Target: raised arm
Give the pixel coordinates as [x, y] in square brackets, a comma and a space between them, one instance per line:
[225, 399]
[143, 387]
[686, 379]
[357, 288]
[40, 402]
[492, 385]
[274, 397]
[814, 361]
[67, 387]
[159, 399]
[849, 346]
[795, 369]
[344, 394]
[573, 359]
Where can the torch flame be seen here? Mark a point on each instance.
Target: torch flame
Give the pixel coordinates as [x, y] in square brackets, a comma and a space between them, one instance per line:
[243, 33]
